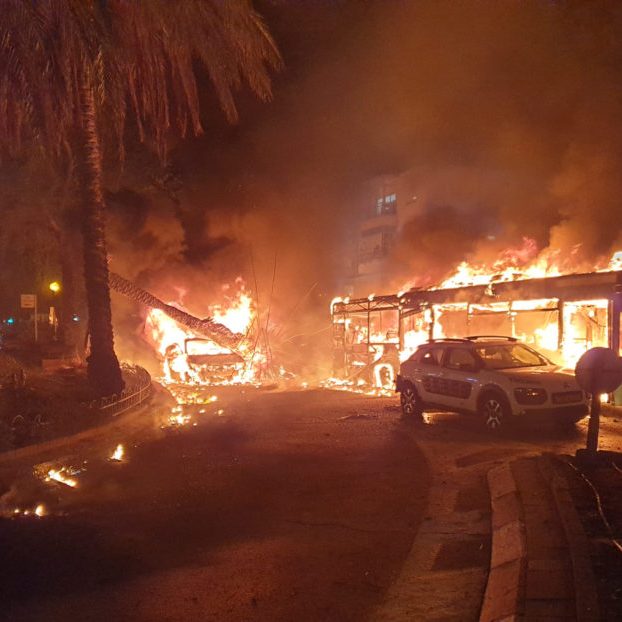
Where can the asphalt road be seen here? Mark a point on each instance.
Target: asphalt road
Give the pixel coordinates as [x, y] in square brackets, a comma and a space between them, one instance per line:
[311, 505]
[284, 506]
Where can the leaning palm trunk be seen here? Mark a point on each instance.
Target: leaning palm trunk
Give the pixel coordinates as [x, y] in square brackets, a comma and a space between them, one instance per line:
[104, 372]
[218, 333]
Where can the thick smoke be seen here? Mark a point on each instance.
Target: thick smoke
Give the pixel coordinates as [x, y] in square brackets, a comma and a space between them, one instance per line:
[518, 115]
[505, 116]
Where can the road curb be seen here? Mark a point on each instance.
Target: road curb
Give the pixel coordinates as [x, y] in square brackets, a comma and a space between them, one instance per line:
[585, 591]
[503, 597]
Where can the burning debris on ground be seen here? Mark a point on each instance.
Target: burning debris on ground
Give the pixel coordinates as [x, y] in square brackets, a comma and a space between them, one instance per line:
[63, 474]
[38, 511]
[118, 455]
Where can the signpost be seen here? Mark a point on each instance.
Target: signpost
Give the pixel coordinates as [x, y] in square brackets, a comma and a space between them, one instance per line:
[29, 301]
[598, 371]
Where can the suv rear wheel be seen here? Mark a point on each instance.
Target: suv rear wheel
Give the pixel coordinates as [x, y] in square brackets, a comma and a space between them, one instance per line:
[411, 404]
[494, 409]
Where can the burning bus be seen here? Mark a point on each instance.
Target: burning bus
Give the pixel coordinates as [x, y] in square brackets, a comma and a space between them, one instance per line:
[561, 316]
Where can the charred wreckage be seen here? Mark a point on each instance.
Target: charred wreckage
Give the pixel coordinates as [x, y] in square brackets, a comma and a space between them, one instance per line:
[211, 353]
[561, 316]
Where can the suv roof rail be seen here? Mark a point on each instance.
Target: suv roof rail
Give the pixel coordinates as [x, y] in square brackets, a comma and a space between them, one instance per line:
[445, 339]
[500, 337]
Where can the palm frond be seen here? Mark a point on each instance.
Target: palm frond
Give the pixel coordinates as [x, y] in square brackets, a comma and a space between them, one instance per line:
[140, 59]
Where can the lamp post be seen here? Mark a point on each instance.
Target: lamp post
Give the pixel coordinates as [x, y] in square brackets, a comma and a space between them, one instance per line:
[55, 288]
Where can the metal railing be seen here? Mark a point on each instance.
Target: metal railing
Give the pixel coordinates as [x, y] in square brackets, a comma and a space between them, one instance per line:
[132, 396]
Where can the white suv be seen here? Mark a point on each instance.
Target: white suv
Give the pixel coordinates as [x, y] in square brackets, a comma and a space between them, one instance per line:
[496, 377]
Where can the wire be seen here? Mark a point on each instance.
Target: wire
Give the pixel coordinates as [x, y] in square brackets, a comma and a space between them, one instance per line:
[599, 506]
[616, 467]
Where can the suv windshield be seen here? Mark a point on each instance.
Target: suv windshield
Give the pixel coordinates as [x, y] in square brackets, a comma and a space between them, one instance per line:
[508, 356]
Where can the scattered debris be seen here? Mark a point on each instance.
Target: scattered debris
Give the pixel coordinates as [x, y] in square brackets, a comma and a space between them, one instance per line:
[358, 416]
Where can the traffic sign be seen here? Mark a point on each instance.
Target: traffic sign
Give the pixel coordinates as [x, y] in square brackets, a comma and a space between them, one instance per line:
[599, 370]
[28, 301]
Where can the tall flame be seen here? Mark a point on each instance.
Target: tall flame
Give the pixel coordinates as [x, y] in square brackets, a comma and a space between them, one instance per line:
[537, 322]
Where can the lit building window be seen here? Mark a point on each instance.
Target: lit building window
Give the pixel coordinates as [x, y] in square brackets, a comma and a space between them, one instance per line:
[386, 204]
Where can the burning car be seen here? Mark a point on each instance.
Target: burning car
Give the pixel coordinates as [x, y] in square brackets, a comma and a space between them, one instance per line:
[202, 361]
[497, 378]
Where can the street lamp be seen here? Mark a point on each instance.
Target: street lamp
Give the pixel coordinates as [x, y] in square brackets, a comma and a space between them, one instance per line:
[55, 289]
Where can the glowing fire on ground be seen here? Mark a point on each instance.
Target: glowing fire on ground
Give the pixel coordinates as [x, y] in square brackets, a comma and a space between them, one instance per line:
[179, 420]
[118, 454]
[185, 413]
[58, 475]
[356, 386]
[38, 511]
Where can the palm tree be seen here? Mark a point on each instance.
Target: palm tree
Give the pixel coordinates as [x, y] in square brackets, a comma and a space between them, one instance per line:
[73, 71]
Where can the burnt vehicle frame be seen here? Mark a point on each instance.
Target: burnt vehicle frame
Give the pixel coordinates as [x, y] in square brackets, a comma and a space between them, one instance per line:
[208, 366]
[498, 301]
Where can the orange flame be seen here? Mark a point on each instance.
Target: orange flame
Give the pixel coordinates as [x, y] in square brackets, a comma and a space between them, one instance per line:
[584, 323]
[169, 339]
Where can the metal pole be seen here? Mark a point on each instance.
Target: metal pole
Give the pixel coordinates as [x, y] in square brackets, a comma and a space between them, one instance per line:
[368, 357]
[614, 333]
[400, 328]
[560, 325]
[593, 425]
[613, 324]
[36, 323]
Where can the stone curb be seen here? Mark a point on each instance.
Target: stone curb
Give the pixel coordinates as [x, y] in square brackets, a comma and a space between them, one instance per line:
[503, 598]
[586, 596]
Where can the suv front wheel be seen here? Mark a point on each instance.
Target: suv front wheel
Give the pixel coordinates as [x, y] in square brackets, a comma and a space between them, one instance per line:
[411, 405]
[494, 409]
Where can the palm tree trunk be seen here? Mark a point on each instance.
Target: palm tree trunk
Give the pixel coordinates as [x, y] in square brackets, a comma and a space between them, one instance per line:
[104, 372]
[218, 333]
[72, 296]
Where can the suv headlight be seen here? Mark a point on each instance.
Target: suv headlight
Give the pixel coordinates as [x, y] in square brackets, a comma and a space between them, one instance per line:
[531, 395]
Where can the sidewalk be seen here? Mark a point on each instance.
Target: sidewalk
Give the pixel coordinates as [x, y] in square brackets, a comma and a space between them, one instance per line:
[540, 564]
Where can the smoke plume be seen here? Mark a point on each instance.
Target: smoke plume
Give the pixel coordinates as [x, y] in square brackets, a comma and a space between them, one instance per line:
[504, 116]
